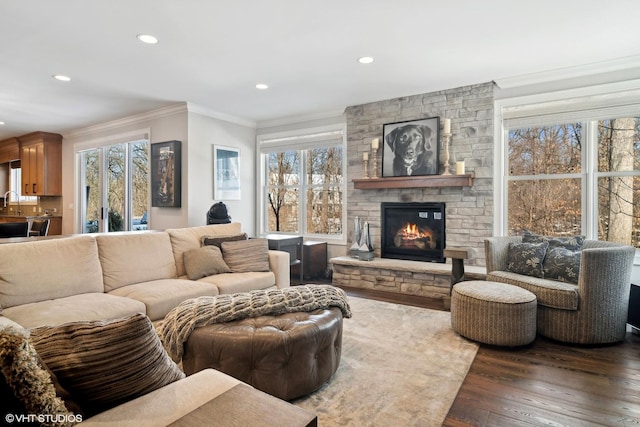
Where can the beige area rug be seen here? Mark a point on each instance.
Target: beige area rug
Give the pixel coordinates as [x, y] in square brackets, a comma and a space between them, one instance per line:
[400, 366]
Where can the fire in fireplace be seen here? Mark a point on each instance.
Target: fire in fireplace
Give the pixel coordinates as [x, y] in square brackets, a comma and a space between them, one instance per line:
[413, 231]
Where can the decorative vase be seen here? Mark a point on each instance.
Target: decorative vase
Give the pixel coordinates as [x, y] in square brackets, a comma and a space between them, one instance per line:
[357, 233]
[365, 252]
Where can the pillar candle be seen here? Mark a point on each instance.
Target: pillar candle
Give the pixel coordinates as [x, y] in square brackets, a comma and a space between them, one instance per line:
[460, 168]
[374, 143]
[365, 156]
[447, 125]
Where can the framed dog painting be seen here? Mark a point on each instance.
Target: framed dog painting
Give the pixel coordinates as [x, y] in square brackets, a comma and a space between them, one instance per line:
[411, 147]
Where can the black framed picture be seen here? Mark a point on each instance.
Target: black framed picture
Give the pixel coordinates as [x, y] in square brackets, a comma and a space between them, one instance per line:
[166, 174]
[411, 147]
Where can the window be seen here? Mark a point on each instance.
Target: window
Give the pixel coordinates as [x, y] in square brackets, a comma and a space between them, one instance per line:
[114, 186]
[572, 171]
[303, 184]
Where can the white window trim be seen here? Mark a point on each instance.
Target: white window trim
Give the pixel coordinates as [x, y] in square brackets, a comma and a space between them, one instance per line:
[305, 139]
[613, 97]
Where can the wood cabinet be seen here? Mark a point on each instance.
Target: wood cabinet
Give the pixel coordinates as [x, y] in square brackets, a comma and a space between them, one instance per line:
[41, 159]
[55, 226]
[9, 150]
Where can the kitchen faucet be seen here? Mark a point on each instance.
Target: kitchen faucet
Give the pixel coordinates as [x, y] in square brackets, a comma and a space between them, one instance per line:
[18, 197]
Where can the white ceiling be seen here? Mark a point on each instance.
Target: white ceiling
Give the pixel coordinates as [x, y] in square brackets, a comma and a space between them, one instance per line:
[213, 52]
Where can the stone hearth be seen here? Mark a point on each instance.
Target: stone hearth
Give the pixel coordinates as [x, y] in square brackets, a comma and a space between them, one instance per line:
[426, 279]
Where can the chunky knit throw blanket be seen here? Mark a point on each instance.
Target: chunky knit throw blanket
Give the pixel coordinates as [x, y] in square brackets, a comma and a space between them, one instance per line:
[203, 311]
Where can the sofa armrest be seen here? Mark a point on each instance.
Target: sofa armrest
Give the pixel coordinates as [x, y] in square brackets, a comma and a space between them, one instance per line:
[605, 276]
[167, 404]
[496, 251]
[280, 266]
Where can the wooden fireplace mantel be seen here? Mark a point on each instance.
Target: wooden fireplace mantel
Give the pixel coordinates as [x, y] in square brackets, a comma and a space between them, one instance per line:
[414, 182]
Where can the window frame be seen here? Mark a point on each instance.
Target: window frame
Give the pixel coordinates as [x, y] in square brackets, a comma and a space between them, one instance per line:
[616, 100]
[302, 140]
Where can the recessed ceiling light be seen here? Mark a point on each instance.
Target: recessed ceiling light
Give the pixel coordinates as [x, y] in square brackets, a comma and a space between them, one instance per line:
[147, 38]
[262, 86]
[366, 59]
[62, 78]
[1, 123]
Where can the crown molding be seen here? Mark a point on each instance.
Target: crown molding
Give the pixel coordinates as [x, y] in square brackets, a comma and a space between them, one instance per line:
[129, 120]
[595, 68]
[198, 109]
[300, 118]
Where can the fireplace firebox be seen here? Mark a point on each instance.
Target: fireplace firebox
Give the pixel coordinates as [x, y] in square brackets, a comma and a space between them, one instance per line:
[413, 231]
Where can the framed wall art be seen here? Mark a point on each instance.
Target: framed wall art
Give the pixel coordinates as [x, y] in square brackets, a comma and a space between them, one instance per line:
[166, 174]
[226, 173]
[411, 147]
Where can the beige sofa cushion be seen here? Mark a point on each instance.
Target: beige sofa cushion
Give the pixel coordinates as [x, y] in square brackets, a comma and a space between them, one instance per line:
[160, 296]
[96, 306]
[165, 405]
[47, 269]
[135, 257]
[230, 283]
[185, 239]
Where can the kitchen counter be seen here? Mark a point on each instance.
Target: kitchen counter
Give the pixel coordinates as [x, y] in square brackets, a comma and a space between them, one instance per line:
[55, 225]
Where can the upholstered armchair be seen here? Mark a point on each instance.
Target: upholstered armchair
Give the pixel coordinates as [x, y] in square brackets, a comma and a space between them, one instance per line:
[593, 311]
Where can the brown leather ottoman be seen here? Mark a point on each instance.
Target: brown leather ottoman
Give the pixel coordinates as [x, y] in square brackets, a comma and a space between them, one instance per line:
[287, 356]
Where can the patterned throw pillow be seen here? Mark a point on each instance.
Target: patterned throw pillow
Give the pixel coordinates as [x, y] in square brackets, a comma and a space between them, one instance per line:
[203, 262]
[246, 255]
[526, 258]
[217, 240]
[562, 261]
[106, 363]
[562, 264]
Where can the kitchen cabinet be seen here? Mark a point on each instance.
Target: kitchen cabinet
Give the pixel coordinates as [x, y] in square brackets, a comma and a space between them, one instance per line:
[9, 150]
[41, 160]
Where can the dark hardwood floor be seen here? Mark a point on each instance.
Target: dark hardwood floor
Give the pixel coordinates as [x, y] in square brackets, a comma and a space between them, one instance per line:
[546, 383]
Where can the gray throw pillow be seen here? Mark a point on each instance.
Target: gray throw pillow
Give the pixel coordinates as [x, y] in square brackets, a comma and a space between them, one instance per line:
[104, 363]
[203, 262]
[246, 255]
[526, 258]
[573, 243]
[562, 264]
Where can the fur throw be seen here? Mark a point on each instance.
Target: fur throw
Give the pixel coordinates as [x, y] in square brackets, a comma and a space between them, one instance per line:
[202, 311]
[29, 381]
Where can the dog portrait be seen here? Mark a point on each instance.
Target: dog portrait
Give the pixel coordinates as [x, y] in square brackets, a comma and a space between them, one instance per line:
[411, 148]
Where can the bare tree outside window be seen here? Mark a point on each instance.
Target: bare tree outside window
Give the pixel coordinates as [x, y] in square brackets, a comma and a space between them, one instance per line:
[545, 188]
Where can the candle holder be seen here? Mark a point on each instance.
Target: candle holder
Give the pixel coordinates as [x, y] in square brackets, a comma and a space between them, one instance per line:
[375, 163]
[446, 137]
[365, 162]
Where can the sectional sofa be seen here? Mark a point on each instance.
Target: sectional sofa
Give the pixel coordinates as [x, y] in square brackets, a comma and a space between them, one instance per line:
[106, 276]
[88, 279]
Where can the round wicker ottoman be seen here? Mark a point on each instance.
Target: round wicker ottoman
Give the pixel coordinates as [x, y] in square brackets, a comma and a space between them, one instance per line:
[287, 356]
[493, 313]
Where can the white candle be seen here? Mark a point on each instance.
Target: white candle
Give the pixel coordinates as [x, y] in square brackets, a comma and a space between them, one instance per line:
[375, 143]
[447, 125]
[460, 168]
[365, 156]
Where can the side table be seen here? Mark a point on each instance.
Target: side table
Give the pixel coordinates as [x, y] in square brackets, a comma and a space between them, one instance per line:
[291, 244]
[457, 255]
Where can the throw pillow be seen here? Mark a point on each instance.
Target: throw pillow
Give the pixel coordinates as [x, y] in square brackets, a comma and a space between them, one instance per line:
[217, 240]
[25, 384]
[104, 363]
[203, 262]
[526, 258]
[562, 264]
[246, 255]
[573, 243]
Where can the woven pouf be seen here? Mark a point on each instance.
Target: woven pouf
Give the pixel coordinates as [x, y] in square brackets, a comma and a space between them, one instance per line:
[288, 355]
[493, 313]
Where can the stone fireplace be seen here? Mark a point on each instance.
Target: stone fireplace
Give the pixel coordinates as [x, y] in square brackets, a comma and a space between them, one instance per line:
[413, 231]
[468, 209]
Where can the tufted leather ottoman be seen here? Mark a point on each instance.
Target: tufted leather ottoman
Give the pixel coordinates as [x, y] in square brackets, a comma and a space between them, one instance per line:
[287, 356]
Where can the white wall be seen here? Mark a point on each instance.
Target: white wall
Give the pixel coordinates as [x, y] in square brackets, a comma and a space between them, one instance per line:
[164, 125]
[204, 132]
